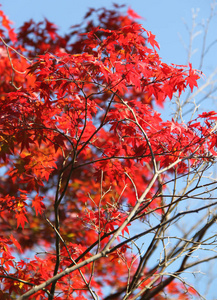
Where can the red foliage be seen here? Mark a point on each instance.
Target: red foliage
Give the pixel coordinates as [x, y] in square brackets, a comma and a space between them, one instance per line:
[79, 143]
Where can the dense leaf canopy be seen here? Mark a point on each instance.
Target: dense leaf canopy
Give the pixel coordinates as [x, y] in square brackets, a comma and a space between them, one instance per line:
[84, 155]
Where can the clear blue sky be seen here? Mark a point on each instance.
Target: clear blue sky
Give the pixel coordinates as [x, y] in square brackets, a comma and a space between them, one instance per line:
[164, 18]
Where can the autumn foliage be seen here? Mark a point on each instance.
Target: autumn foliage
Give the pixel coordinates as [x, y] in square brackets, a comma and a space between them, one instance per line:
[84, 155]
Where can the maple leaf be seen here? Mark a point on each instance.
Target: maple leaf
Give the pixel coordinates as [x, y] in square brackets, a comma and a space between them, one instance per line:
[133, 14]
[211, 115]
[21, 219]
[151, 40]
[5, 21]
[192, 78]
[38, 204]
[16, 243]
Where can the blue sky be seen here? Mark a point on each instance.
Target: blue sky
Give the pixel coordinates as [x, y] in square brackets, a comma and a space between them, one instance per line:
[164, 18]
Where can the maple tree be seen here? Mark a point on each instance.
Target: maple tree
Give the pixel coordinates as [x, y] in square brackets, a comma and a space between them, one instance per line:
[87, 163]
